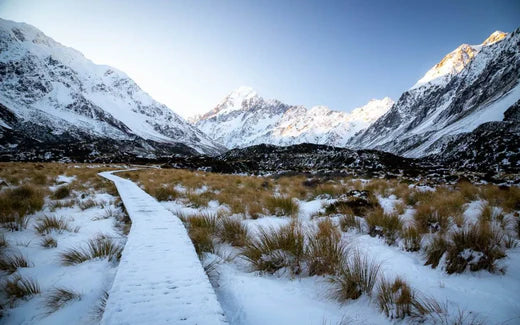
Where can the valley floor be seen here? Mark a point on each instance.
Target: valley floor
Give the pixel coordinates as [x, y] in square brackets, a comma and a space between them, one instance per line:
[276, 251]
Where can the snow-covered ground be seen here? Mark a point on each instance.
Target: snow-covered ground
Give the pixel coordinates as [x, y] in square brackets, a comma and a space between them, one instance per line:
[249, 297]
[159, 279]
[90, 279]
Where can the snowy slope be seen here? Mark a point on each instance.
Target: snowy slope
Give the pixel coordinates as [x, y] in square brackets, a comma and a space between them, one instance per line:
[470, 86]
[243, 119]
[46, 84]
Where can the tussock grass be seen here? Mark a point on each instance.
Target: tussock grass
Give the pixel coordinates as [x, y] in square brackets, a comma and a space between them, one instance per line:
[99, 309]
[356, 277]
[99, 247]
[325, 251]
[397, 299]
[477, 246]
[59, 297]
[10, 263]
[3, 241]
[282, 206]
[233, 231]
[17, 203]
[86, 204]
[349, 221]
[18, 287]
[53, 206]
[165, 194]
[435, 250]
[411, 239]
[61, 193]
[434, 211]
[385, 225]
[202, 229]
[49, 223]
[49, 242]
[275, 249]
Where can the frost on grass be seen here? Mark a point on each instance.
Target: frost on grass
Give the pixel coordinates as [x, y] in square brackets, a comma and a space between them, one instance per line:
[99, 247]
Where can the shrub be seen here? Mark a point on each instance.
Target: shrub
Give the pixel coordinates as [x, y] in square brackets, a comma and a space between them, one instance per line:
[385, 225]
[46, 224]
[275, 249]
[282, 206]
[18, 287]
[61, 193]
[233, 232]
[49, 242]
[59, 297]
[325, 252]
[11, 263]
[411, 239]
[357, 276]
[99, 247]
[477, 246]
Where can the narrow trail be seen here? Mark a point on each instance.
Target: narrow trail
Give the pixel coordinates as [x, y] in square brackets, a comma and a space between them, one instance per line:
[160, 279]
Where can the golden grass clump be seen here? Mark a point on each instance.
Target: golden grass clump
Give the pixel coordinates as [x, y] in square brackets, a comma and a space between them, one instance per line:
[61, 193]
[99, 247]
[18, 287]
[59, 297]
[385, 225]
[396, 299]
[282, 206]
[47, 224]
[411, 238]
[17, 203]
[274, 249]
[233, 231]
[165, 194]
[49, 242]
[356, 277]
[325, 251]
[10, 263]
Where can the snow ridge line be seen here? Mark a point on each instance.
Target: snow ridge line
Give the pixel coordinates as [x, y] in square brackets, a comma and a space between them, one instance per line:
[160, 279]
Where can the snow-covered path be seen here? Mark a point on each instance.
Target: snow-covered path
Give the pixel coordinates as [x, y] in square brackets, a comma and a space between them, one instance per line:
[160, 279]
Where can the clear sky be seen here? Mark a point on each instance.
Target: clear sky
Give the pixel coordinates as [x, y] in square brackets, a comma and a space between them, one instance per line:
[190, 54]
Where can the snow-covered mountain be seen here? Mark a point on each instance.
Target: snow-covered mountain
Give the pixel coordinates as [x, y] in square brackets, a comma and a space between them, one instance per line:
[244, 118]
[447, 108]
[52, 94]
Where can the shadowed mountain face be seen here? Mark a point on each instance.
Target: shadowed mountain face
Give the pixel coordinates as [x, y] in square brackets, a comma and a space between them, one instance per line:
[470, 87]
[53, 97]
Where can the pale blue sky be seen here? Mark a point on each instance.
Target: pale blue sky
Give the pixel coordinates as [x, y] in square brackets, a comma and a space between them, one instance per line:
[190, 54]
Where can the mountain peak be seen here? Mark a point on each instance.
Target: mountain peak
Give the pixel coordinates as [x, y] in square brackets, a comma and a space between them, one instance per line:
[494, 37]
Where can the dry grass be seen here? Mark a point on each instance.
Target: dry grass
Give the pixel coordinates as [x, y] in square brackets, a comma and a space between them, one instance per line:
[275, 249]
[47, 224]
[17, 203]
[349, 221]
[10, 263]
[435, 250]
[325, 251]
[202, 229]
[99, 309]
[477, 247]
[282, 206]
[385, 225]
[59, 297]
[356, 277]
[233, 231]
[61, 193]
[99, 247]
[165, 194]
[411, 239]
[49, 242]
[396, 299]
[18, 287]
